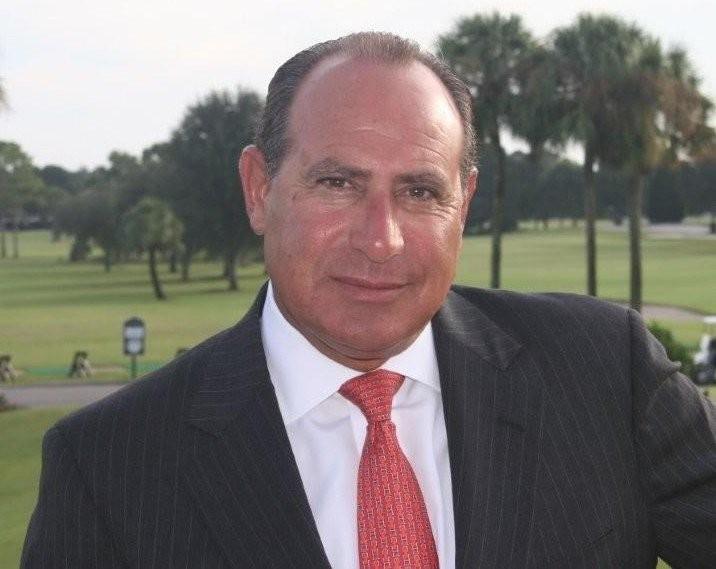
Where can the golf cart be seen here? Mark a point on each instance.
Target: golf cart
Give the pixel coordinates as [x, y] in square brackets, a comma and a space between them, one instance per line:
[705, 358]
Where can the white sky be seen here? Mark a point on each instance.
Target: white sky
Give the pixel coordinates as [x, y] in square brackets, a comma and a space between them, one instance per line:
[86, 77]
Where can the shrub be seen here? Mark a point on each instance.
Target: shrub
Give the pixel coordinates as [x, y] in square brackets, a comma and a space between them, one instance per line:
[676, 351]
[5, 404]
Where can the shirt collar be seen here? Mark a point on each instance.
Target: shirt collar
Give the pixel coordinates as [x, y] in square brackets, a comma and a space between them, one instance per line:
[303, 377]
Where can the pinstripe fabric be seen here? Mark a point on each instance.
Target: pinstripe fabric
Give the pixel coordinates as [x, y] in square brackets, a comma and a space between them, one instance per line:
[573, 443]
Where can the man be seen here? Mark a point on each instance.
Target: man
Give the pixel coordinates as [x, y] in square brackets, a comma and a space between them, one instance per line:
[364, 414]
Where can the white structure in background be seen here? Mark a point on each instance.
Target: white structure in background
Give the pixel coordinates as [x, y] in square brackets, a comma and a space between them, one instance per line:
[705, 358]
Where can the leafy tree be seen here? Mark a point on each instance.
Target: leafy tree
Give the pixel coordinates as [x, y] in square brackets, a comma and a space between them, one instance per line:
[699, 185]
[151, 226]
[675, 350]
[480, 213]
[488, 52]
[68, 181]
[558, 191]
[91, 215]
[169, 182]
[664, 199]
[205, 147]
[611, 185]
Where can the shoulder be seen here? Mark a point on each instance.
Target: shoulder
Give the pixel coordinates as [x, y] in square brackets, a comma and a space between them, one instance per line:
[588, 335]
[559, 312]
[156, 400]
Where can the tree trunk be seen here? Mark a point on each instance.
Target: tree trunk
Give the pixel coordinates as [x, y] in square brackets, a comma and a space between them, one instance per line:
[498, 206]
[635, 197]
[173, 261]
[230, 267]
[15, 244]
[158, 292]
[3, 243]
[107, 261]
[590, 214]
[79, 249]
[185, 264]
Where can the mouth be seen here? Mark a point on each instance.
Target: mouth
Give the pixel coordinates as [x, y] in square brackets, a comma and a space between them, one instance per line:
[370, 290]
[370, 284]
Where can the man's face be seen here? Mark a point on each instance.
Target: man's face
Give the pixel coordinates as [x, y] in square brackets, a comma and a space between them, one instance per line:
[363, 221]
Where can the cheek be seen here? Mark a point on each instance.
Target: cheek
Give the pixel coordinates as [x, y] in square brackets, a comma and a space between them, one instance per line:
[299, 240]
[438, 240]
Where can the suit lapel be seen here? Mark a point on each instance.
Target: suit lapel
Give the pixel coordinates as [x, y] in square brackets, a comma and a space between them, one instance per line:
[238, 462]
[240, 470]
[492, 414]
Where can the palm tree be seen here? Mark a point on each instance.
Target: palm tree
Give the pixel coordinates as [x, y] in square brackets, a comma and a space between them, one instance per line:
[636, 142]
[20, 186]
[152, 226]
[591, 55]
[662, 118]
[540, 109]
[540, 112]
[684, 109]
[488, 51]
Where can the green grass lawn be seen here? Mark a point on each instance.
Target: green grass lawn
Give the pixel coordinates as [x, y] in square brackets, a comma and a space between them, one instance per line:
[20, 443]
[50, 308]
[676, 271]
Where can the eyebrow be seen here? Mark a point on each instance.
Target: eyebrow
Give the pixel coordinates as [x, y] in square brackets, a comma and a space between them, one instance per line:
[423, 178]
[331, 166]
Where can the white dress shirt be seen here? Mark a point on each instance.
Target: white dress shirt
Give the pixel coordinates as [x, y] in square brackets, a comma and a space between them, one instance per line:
[327, 431]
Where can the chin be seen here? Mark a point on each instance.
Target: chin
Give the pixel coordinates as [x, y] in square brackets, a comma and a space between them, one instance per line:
[369, 342]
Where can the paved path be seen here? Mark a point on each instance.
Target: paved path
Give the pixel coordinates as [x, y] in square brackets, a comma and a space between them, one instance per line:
[673, 313]
[57, 395]
[664, 230]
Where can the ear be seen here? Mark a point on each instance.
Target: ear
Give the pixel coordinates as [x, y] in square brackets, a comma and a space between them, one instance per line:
[255, 185]
[470, 189]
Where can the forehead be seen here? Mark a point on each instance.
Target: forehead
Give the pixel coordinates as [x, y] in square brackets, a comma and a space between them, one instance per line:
[356, 100]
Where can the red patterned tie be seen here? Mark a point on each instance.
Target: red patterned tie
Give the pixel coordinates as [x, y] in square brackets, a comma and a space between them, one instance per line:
[393, 526]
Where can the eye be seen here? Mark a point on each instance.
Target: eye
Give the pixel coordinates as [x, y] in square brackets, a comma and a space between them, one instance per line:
[421, 193]
[333, 182]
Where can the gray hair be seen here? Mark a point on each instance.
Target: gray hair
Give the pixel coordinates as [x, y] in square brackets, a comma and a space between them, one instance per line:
[271, 135]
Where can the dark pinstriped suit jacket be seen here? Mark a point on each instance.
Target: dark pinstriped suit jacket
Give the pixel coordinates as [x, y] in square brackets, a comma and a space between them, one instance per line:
[573, 443]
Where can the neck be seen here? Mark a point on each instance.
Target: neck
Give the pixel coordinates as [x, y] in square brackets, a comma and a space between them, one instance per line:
[349, 356]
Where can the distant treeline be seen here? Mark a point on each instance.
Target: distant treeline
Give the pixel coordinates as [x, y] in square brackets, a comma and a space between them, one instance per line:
[553, 189]
[634, 109]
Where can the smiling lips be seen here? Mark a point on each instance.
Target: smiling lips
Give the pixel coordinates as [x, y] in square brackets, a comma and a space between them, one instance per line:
[366, 289]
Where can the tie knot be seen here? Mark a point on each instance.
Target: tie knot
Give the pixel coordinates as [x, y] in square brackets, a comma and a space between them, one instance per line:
[373, 393]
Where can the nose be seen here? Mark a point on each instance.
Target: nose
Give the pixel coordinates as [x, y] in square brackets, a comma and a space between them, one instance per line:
[376, 231]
